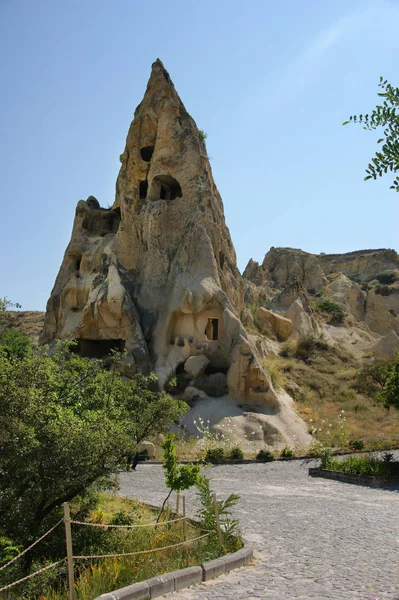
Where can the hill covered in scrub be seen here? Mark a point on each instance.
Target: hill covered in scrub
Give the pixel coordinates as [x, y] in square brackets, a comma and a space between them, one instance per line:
[325, 323]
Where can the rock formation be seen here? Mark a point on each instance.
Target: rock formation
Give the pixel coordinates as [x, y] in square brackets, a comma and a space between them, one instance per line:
[156, 273]
[365, 284]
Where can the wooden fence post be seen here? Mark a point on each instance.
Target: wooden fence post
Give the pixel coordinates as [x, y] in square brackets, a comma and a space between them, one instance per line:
[68, 537]
[177, 503]
[219, 531]
[184, 515]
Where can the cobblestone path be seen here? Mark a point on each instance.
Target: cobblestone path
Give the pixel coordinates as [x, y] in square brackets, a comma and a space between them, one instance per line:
[315, 538]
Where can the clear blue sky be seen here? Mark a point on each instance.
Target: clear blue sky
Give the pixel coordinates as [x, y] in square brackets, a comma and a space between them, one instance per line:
[270, 83]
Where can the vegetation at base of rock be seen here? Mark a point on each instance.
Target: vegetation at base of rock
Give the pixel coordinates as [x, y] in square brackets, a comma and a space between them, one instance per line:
[330, 381]
[236, 454]
[333, 309]
[67, 424]
[385, 290]
[384, 115]
[387, 278]
[363, 465]
[265, 456]
[216, 455]
[287, 452]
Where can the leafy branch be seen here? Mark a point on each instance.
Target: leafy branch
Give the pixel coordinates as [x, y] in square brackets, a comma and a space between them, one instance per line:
[384, 115]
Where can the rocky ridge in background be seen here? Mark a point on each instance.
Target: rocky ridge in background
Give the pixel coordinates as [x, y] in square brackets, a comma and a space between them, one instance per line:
[28, 322]
[293, 284]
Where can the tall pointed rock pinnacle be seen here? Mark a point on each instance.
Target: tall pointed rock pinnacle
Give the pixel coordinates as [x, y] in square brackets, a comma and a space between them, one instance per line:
[156, 274]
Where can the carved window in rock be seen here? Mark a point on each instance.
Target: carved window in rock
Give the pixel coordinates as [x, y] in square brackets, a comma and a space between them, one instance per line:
[165, 187]
[146, 153]
[212, 329]
[143, 189]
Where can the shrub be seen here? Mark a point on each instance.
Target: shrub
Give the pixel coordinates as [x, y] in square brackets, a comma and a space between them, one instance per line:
[287, 452]
[356, 445]
[386, 278]
[333, 309]
[14, 343]
[236, 454]
[308, 345]
[384, 290]
[265, 456]
[215, 455]
[365, 465]
[287, 351]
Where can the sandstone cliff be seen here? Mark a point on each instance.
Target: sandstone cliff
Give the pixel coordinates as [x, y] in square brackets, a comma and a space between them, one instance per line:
[364, 283]
[156, 274]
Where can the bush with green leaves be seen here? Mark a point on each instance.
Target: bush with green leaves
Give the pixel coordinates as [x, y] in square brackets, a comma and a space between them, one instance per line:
[335, 312]
[67, 424]
[15, 343]
[287, 351]
[287, 452]
[216, 455]
[265, 456]
[389, 393]
[236, 454]
[384, 290]
[387, 278]
[364, 465]
[356, 445]
[385, 116]
[207, 516]
[310, 345]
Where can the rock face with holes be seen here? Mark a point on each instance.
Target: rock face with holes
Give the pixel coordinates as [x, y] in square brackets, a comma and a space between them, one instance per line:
[156, 274]
[364, 283]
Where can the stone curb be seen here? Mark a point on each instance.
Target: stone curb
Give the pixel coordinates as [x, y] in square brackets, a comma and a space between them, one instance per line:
[354, 478]
[177, 580]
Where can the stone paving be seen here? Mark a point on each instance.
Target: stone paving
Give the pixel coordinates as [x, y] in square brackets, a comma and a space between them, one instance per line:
[315, 538]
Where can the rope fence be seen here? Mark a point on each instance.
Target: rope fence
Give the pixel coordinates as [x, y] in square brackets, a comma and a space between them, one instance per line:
[10, 585]
[70, 556]
[200, 537]
[106, 526]
[31, 546]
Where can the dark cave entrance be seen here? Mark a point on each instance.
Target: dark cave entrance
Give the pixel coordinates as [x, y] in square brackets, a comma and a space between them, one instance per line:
[147, 152]
[98, 348]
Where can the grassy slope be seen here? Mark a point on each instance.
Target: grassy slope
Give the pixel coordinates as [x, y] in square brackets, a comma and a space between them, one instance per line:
[329, 383]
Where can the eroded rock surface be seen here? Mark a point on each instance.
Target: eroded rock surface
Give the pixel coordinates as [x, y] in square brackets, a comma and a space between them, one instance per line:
[365, 284]
[156, 274]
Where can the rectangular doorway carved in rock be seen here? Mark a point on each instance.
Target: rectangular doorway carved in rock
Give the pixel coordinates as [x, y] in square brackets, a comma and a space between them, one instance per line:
[212, 329]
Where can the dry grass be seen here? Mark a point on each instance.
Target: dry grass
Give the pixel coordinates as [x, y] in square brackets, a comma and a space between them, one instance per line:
[328, 382]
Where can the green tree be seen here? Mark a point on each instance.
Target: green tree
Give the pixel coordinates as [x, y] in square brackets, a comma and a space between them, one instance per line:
[389, 394]
[66, 423]
[385, 116]
[15, 343]
[177, 478]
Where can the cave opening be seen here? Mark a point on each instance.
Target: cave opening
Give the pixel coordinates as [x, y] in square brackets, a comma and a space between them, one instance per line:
[147, 152]
[98, 348]
[166, 187]
[143, 189]
[212, 329]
